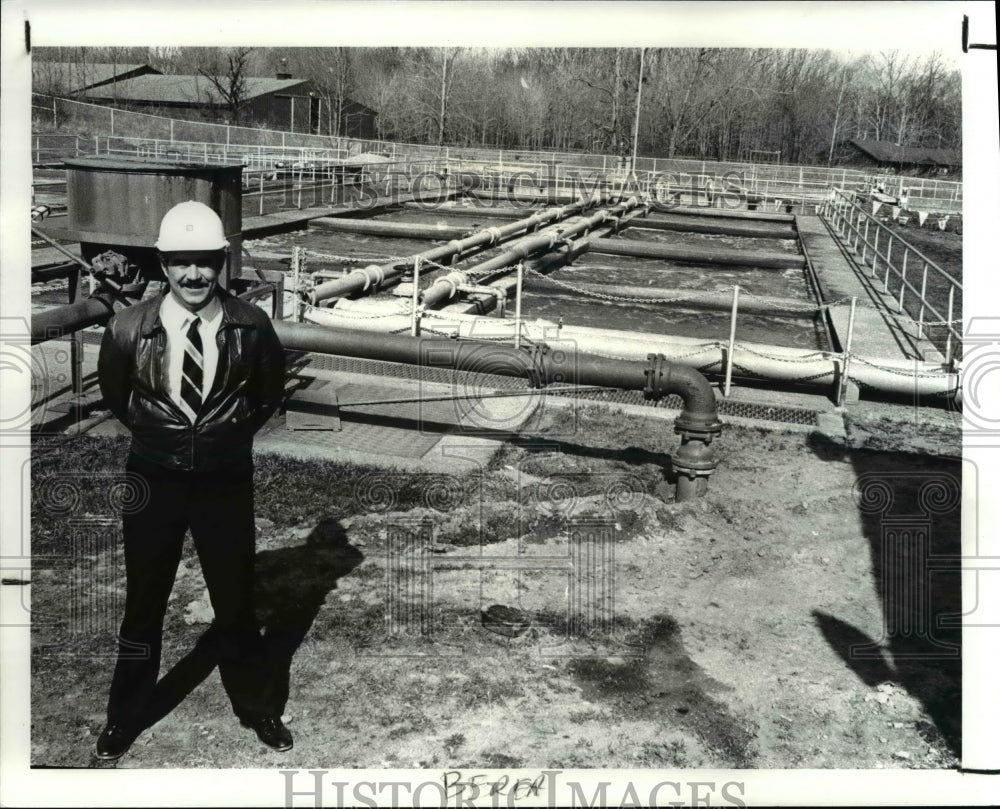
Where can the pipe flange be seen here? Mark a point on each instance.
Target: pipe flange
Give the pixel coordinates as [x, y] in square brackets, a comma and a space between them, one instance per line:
[692, 473]
[698, 426]
[657, 377]
[694, 459]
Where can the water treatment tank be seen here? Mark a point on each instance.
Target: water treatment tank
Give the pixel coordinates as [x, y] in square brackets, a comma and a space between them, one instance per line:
[118, 204]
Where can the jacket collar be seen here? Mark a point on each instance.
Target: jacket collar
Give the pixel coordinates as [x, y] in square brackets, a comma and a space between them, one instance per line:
[232, 313]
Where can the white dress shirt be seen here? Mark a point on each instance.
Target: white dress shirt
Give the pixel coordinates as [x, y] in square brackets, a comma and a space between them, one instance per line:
[177, 320]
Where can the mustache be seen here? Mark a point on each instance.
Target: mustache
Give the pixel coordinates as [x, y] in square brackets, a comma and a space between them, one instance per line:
[195, 284]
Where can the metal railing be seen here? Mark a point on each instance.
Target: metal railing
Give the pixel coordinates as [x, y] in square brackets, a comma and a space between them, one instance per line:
[791, 182]
[886, 252]
[332, 183]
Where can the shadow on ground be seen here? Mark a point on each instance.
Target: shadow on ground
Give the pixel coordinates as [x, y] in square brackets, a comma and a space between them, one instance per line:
[665, 684]
[292, 584]
[910, 508]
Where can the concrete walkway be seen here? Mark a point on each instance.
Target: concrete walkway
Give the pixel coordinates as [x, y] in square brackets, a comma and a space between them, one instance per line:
[879, 332]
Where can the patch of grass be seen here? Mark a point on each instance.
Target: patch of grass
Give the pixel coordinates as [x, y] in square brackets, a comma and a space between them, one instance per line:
[664, 754]
[498, 761]
[290, 491]
[72, 479]
[481, 689]
[453, 743]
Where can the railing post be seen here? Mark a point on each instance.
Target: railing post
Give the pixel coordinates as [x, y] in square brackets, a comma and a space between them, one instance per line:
[297, 312]
[844, 380]
[414, 312]
[517, 305]
[923, 301]
[864, 241]
[732, 340]
[888, 261]
[76, 338]
[878, 229]
[950, 328]
[260, 206]
[902, 280]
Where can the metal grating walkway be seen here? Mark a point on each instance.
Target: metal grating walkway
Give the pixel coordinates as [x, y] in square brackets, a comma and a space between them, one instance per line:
[465, 380]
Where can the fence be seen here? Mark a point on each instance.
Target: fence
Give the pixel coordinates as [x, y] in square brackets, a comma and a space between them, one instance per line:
[792, 183]
[315, 184]
[885, 251]
[64, 112]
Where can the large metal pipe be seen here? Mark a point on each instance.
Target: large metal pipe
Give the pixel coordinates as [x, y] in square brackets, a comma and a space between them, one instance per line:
[373, 275]
[815, 368]
[444, 288]
[476, 209]
[392, 230]
[727, 213]
[686, 298]
[698, 255]
[62, 320]
[548, 240]
[697, 424]
[720, 227]
[447, 286]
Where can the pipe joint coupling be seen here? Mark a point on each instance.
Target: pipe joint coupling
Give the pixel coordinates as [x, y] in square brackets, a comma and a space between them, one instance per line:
[694, 459]
[372, 275]
[698, 426]
[657, 375]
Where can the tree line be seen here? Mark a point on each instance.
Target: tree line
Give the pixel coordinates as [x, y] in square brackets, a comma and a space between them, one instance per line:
[790, 105]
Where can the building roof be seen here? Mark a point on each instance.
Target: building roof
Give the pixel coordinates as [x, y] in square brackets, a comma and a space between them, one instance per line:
[81, 75]
[886, 151]
[179, 89]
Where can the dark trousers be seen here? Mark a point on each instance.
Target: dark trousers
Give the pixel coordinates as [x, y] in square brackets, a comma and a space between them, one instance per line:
[218, 509]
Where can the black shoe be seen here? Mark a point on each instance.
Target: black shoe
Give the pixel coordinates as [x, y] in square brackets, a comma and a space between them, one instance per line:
[114, 742]
[271, 731]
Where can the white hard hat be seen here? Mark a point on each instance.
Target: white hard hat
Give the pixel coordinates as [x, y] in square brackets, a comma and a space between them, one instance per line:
[191, 226]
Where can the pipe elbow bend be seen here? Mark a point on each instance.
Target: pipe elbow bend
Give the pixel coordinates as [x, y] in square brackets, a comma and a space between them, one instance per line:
[700, 415]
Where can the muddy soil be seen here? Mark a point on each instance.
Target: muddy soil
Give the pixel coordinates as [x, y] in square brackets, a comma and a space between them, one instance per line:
[754, 627]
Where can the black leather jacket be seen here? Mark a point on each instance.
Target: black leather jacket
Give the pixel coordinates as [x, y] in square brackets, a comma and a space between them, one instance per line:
[248, 387]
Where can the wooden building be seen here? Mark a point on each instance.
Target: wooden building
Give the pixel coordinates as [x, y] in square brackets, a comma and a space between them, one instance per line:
[887, 156]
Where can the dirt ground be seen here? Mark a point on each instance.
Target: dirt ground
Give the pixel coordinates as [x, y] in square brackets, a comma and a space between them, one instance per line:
[769, 624]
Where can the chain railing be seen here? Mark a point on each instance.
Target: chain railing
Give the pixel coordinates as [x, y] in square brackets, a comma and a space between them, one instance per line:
[934, 305]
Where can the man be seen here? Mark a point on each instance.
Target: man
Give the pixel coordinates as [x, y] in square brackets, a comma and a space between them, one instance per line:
[193, 374]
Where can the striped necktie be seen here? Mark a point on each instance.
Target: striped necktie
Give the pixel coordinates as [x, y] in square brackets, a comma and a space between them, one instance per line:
[193, 374]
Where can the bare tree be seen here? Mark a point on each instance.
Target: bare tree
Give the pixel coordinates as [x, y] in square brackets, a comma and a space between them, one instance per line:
[447, 56]
[332, 73]
[228, 72]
